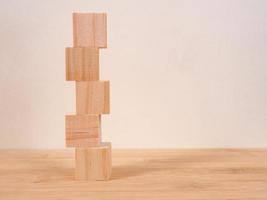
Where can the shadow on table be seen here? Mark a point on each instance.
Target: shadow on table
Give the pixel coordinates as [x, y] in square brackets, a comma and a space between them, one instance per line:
[183, 162]
[137, 168]
[120, 172]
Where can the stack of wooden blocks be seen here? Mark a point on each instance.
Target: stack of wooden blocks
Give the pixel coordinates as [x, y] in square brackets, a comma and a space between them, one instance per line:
[83, 130]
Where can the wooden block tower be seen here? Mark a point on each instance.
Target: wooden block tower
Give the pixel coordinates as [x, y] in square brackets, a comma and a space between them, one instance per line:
[83, 130]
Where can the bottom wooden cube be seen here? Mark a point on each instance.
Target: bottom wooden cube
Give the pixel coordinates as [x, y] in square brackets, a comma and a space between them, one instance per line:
[93, 163]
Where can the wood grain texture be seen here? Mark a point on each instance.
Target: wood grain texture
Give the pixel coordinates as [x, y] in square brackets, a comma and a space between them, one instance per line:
[92, 97]
[93, 163]
[82, 64]
[186, 174]
[90, 30]
[82, 130]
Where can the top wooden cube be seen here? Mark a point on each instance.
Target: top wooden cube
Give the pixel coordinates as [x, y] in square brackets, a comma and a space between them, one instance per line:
[90, 30]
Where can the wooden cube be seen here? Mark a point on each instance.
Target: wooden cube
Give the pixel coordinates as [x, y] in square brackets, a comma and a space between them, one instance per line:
[92, 97]
[82, 130]
[90, 30]
[93, 163]
[82, 64]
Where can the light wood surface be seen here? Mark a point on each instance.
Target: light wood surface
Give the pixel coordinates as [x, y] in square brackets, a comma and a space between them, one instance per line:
[215, 174]
[82, 130]
[92, 97]
[90, 30]
[93, 163]
[82, 64]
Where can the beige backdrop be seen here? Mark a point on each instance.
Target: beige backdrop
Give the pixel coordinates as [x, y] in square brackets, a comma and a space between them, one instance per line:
[183, 73]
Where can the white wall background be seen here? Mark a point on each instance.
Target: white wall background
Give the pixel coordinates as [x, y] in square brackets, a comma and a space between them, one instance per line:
[183, 73]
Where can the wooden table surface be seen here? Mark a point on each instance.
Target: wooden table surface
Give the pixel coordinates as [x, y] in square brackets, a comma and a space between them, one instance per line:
[199, 174]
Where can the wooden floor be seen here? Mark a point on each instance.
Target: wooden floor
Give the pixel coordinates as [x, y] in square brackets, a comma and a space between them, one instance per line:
[221, 174]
